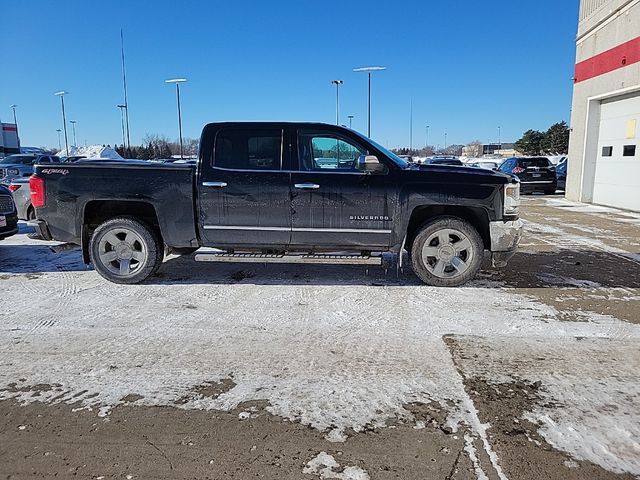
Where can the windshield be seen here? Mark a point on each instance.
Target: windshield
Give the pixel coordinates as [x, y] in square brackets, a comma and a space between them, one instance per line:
[396, 159]
[18, 160]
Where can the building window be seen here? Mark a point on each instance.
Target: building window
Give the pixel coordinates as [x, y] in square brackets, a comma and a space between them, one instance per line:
[629, 151]
[607, 151]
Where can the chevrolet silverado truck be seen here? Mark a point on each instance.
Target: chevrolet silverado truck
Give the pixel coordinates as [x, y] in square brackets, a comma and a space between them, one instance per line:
[285, 193]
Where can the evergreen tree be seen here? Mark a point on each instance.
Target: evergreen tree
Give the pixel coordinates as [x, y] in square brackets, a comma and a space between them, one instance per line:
[531, 142]
[556, 139]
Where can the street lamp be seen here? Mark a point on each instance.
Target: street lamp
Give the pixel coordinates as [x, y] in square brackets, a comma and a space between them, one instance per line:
[337, 83]
[178, 81]
[64, 119]
[369, 70]
[427, 144]
[15, 121]
[122, 110]
[499, 138]
[445, 141]
[59, 144]
[350, 117]
[73, 127]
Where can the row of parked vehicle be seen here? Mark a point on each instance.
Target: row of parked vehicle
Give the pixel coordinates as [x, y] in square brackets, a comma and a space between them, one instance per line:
[15, 194]
[21, 165]
[536, 174]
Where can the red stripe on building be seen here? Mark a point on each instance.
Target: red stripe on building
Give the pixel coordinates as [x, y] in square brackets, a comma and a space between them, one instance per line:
[9, 128]
[618, 57]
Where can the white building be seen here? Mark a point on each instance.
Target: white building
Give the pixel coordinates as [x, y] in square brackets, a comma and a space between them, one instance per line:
[604, 156]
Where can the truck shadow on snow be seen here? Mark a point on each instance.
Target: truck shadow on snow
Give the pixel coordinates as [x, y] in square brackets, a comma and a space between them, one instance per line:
[582, 269]
[567, 268]
[34, 258]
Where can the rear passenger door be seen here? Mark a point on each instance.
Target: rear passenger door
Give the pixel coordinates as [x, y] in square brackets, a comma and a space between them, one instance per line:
[243, 192]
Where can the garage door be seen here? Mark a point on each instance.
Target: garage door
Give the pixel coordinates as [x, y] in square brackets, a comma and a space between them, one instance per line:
[617, 179]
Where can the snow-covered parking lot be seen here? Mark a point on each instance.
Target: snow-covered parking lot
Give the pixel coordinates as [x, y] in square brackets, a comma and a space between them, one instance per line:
[226, 371]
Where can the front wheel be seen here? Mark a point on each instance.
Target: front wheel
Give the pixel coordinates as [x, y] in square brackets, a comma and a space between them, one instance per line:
[125, 250]
[447, 252]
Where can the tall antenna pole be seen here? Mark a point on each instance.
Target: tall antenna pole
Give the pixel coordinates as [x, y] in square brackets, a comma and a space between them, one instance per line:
[411, 126]
[124, 84]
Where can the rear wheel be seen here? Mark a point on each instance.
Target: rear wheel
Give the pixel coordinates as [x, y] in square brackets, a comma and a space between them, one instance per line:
[447, 252]
[125, 250]
[550, 191]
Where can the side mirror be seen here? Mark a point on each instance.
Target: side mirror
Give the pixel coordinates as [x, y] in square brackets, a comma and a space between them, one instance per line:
[371, 164]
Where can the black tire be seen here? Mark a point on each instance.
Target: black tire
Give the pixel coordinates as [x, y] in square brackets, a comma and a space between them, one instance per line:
[550, 192]
[460, 234]
[31, 213]
[134, 247]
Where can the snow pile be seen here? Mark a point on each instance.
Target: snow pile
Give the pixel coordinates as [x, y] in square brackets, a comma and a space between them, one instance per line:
[92, 151]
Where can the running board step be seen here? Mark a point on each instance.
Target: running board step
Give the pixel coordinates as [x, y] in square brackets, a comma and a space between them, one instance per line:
[281, 258]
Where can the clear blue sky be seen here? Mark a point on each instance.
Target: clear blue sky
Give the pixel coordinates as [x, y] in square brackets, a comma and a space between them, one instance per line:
[469, 66]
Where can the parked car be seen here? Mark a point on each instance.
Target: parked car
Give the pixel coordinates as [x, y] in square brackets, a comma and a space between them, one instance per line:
[19, 187]
[259, 202]
[8, 214]
[451, 161]
[21, 165]
[536, 174]
[561, 176]
[482, 164]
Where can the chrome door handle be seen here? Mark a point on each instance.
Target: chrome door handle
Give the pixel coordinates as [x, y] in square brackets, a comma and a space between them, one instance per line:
[214, 184]
[307, 186]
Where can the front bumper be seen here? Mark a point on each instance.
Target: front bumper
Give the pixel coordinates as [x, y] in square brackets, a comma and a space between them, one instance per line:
[505, 237]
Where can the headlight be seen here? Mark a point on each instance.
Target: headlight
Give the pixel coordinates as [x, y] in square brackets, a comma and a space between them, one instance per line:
[13, 171]
[511, 198]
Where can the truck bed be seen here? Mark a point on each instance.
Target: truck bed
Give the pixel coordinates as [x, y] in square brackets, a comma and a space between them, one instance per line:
[76, 188]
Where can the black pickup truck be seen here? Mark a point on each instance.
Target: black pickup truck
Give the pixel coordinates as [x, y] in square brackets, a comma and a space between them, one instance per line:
[281, 192]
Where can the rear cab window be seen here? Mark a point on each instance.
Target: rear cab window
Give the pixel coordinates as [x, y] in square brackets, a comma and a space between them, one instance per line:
[534, 162]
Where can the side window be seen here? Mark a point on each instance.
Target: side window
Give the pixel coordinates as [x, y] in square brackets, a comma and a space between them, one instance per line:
[44, 160]
[506, 166]
[327, 152]
[248, 149]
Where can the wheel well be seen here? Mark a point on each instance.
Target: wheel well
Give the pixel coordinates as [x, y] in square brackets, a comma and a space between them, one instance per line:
[474, 215]
[99, 211]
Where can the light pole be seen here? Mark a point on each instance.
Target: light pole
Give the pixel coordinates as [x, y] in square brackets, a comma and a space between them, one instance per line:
[350, 117]
[410, 126]
[122, 110]
[445, 141]
[15, 121]
[499, 138]
[337, 83]
[73, 128]
[427, 144]
[59, 144]
[64, 119]
[178, 81]
[369, 70]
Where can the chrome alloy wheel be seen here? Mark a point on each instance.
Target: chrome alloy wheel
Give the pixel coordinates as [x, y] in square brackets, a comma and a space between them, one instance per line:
[447, 253]
[122, 251]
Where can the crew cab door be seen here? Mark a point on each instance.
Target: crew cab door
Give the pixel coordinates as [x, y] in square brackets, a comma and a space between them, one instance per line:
[334, 204]
[243, 193]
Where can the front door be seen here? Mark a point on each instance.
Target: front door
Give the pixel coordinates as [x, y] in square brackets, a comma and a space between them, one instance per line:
[334, 204]
[244, 195]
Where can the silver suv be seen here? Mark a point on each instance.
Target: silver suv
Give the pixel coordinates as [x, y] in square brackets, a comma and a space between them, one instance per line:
[21, 165]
